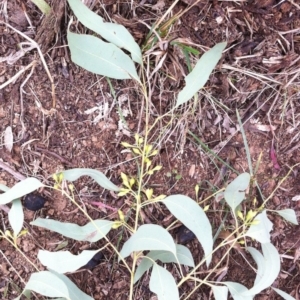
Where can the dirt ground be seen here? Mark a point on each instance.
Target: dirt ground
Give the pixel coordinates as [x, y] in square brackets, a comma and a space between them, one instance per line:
[258, 75]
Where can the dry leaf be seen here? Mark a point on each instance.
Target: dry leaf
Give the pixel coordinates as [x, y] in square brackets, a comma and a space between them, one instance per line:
[8, 138]
[296, 198]
[159, 5]
[266, 128]
[192, 170]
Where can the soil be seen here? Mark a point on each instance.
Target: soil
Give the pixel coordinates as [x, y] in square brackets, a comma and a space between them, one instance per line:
[258, 75]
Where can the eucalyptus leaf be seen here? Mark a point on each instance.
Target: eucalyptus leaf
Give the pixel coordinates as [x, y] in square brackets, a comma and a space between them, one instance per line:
[43, 6]
[260, 229]
[183, 256]
[99, 177]
[163, 284]
[234, 193]
[187, 211]
[74, 292]
[114, 33]
[220, 292]
[200, 74]
[268, 268]
[16, 216]
[47, 284]
[149, 237]
[20, 189]
[3, 188]
[91, 232]
[288, 214]
[236, 290]
[64, 261]
[96, 56]
[283, 294]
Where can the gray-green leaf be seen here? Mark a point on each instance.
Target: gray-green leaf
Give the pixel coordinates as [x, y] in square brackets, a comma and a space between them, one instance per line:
[187, 211]
[94, 55]
[149, 237]
[74, 292]
[234, 193]
[91, 232]
[163, 284]
[268, 267]
[261, 228]
[200, 74]
[47, 284]
[99, 177]
[283, 294]
[114, 33]
[288, 214]
[16, 216]
[20, 189]
[220, 292]
[64, 261]
[183, 256]
[236, 290]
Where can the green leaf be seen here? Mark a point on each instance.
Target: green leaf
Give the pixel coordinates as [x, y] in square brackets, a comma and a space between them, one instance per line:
[74, 291]
[94, 55]
[220, 292]
[99, 177]
[183, 256]
[194, 218]
[149, 237]
[16, 216]
[288, 214]
[3, 187]
[64, 261]
[268, 267]
[261, 228]
[234, 193]
[47, 284]
[114, 33]
[20, 189]
[163, 284]
[200, 74]
[283, 294]
[91, 232]
[43, 6]
[236, 289]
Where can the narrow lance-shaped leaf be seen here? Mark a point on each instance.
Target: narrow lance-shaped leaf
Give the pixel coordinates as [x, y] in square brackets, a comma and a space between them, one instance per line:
[43, 6]
[260, 229]
[3, 187]
[74, 292]
[91, 232]
[20, 189]
[283, 294]
[234, 193]
[183, 256]
[94, 55]
[47, 284]
[16, 216]
[268, 268]
[64, 261]
[194, 218]
[149, 237]
[99, 177]
[114, 33]
[288, 214]
[162, 283]
[220, 292]
[236, 290]
[200, 74]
